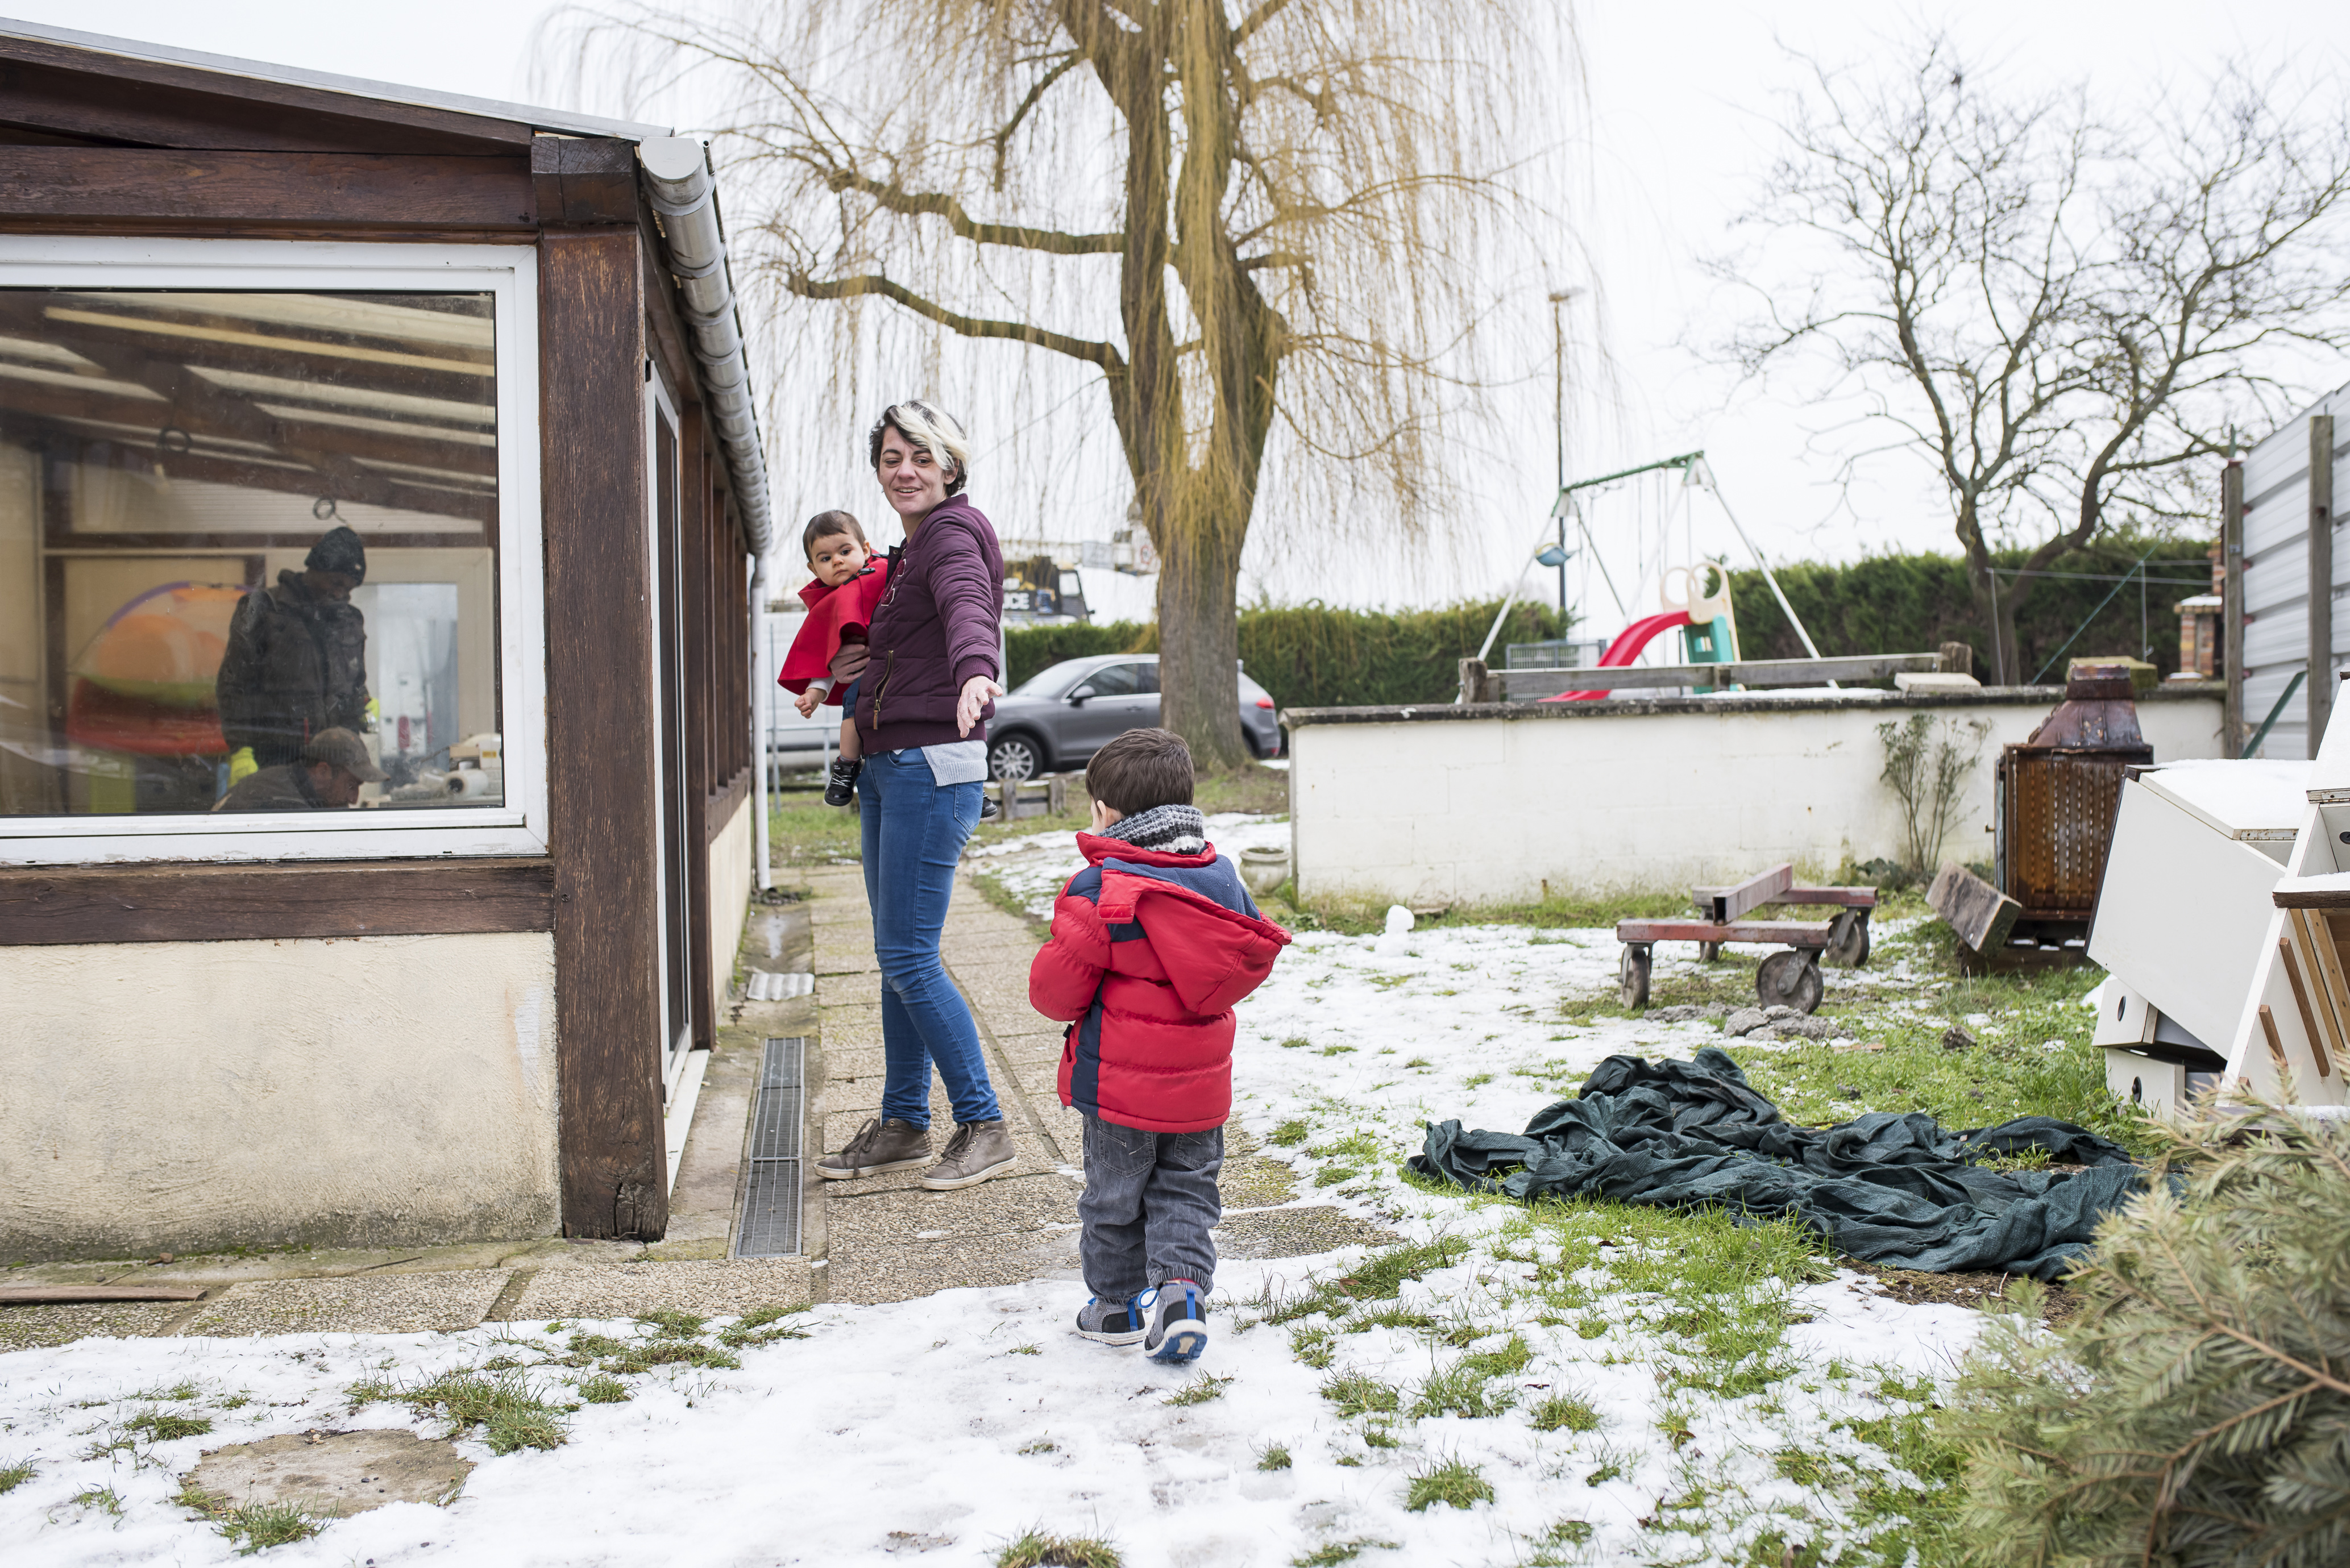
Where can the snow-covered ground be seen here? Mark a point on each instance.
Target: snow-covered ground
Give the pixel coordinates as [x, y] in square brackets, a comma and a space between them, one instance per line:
[939, 1430]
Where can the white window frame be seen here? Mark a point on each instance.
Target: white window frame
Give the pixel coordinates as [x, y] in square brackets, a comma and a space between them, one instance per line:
[510, 272]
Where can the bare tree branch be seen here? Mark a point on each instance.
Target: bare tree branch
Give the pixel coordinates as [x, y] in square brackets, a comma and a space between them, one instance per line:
[1102, 354]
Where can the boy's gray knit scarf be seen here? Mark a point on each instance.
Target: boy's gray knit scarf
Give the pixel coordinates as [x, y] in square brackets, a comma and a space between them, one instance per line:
[1169, 829]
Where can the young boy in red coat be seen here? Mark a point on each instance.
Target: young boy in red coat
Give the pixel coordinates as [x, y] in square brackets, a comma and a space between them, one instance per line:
[1153, 944]
[849, 578]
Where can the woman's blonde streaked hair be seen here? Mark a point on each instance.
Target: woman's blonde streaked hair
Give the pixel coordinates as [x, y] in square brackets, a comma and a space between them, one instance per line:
[929, 429]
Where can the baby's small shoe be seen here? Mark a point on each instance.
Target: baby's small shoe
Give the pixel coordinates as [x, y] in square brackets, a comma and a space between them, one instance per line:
[840, 785]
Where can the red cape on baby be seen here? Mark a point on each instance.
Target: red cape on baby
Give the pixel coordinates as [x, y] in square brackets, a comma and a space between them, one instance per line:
[835, 616]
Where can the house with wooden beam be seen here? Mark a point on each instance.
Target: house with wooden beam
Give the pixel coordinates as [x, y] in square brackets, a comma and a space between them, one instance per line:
[381, 507]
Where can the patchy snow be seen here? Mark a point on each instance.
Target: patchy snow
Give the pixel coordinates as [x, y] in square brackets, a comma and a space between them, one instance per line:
[975, 1415]
[1034, 868]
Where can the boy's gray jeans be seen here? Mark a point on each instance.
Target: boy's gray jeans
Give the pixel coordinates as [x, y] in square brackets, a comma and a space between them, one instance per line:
[1151, 1200]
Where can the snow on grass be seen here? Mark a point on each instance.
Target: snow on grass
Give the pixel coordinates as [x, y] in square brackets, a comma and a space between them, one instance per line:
[1033, 868]
[1582, 1383]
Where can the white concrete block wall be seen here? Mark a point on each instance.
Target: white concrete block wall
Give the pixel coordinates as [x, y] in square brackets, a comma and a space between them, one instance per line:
[1437, 810]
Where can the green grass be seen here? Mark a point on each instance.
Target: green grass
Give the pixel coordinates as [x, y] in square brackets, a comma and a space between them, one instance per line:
[1199, 1391]
[258, 1526]
[162, 1427]
[2010, 1071]
[104, 1499]
[1380, 1277]
[1361, 1394]
[1273, 1457]
[763, 1325]
[176, 1393]
[601, 1388]
[16, 1475]
[1037, 1550]
[1561, 1545]
[510, 1413]
[670, 1323]
[1331, 1554]
[1454, 1483]
[1460, 1389]
[1368, 917]
[804, 831]
[1288, 1134]
[1565, 1413]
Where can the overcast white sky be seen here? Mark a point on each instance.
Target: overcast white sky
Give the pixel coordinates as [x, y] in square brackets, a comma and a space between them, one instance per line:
[1678, 108]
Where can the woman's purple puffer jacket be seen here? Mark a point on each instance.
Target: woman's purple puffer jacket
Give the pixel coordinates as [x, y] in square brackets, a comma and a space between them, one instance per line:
[937, 626]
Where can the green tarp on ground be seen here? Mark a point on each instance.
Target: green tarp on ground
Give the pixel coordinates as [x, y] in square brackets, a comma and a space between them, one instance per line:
[1895, 1190]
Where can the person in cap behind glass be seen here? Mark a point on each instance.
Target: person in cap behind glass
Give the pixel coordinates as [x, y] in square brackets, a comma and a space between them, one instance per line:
[296, 659]
[333, 766]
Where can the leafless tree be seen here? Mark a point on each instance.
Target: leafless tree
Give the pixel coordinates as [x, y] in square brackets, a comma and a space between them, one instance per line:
[2061, 308]
[1256, 221]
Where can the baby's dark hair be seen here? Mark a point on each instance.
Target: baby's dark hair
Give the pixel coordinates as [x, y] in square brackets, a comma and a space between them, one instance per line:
[1140, 769]
[824, 525]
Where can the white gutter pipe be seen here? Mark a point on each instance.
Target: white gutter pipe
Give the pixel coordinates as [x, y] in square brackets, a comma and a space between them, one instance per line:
[678, 187]
[677, 184]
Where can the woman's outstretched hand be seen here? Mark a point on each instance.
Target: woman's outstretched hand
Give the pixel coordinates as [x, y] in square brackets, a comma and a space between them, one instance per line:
[977, 692]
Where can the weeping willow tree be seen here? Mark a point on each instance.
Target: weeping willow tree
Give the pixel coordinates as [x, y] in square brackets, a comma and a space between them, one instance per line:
[1259, 230]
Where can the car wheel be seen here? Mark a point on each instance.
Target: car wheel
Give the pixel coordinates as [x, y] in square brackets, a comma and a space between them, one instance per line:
[1015, 758]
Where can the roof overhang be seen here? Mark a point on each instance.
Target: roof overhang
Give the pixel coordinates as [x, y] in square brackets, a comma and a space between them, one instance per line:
[562, 120]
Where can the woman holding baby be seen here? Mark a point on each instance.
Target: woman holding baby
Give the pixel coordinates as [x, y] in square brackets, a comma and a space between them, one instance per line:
[923, 680]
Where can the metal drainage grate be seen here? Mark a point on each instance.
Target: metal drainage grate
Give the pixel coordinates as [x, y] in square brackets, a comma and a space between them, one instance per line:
[771, 1198]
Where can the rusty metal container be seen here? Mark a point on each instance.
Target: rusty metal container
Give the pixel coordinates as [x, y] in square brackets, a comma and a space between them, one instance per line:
[2058, 792]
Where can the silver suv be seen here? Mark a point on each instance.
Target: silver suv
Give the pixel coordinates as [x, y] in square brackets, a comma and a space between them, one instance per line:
[1063, 714]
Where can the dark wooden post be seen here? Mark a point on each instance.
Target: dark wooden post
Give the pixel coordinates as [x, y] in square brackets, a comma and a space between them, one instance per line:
[2321, 577]
[602, 806]
[2231, 603]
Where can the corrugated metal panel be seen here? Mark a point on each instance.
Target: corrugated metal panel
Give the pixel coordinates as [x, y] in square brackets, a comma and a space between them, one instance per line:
[2276, 571]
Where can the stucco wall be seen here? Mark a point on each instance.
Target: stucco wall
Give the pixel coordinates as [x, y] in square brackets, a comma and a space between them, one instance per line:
[1633, 797]
[730, 900]
[377, 1091]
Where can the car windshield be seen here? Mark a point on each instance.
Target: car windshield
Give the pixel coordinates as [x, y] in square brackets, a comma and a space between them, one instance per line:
[1053, 680]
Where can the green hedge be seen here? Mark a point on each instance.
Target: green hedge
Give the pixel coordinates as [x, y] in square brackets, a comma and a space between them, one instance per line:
[1913, 604]
[1311, 656]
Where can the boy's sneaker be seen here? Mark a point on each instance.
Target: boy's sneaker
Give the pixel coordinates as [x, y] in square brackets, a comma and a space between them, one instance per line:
[1176, 1321]
[1111, 1322]
[988, 810]
[879, 1145]
[977, 1151]
[840, 783]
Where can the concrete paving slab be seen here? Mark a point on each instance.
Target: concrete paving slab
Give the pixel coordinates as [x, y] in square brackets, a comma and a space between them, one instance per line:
[838, 955]
[33, 1327]
[1009, 1206]
[909, 1271]
[333, 1475]
[379, 1303]
[860, 990]
[1253, 1181]
[1298, 1233]
[712, 1289]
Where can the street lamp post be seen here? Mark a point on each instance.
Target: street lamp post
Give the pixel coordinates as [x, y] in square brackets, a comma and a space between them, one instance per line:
[1558, 428]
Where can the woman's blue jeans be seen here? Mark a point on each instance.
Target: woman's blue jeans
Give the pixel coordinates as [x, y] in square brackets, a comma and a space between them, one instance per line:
[914, 831]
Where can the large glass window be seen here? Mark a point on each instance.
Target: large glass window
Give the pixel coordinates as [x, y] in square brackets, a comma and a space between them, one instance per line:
[249, 553]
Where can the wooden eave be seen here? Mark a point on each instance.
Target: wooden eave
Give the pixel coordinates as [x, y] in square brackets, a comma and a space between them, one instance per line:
[53, 89]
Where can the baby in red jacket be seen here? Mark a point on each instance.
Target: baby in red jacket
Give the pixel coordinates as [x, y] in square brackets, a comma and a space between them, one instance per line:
[1153, 944]
[849, 578]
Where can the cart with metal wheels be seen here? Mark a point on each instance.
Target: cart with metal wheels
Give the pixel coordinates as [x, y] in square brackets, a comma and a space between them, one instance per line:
[1789, 979]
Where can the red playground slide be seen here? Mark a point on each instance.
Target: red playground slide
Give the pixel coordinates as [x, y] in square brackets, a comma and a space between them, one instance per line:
[1625, 649]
